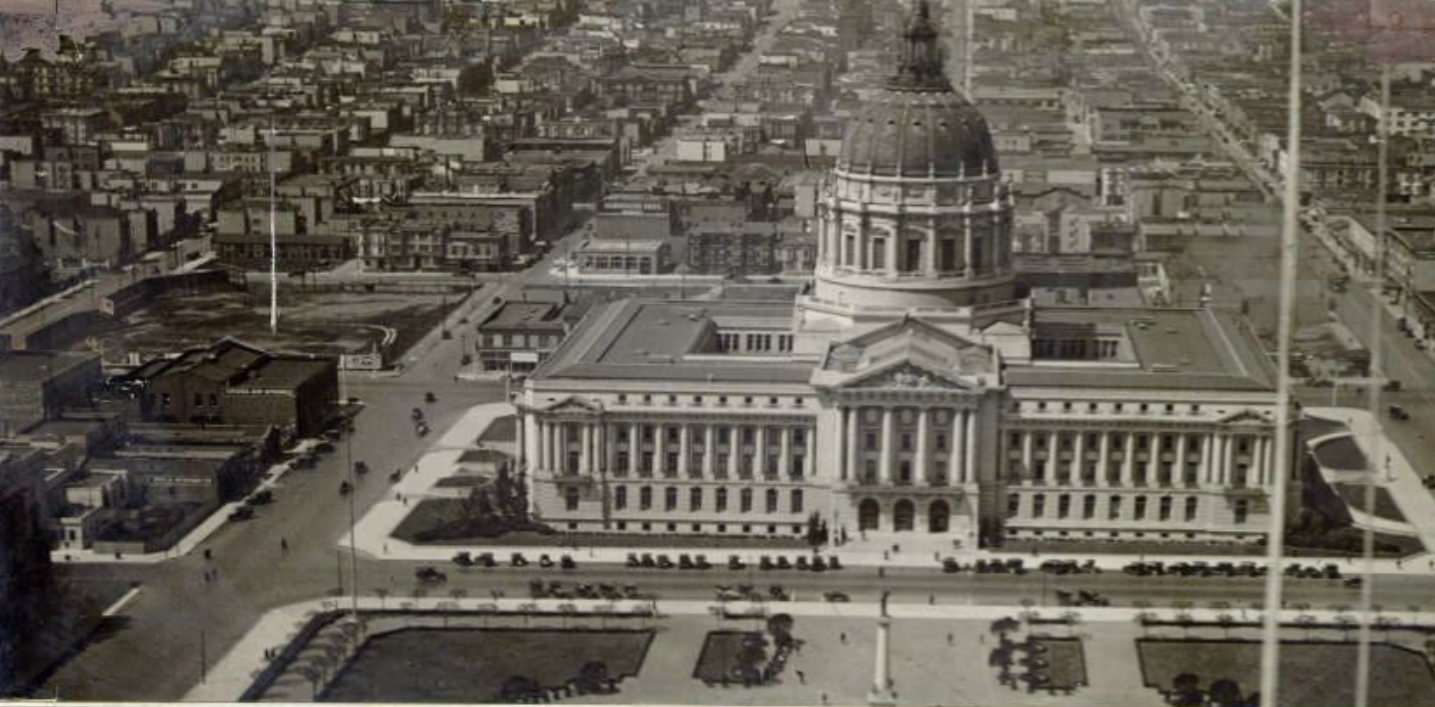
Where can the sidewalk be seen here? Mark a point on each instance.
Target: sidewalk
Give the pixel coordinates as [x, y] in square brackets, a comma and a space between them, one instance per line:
[440, 460]
[1395, 472]
[233, 673]
[191, 540]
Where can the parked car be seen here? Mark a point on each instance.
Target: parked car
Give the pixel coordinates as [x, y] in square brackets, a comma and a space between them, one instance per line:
[685, 562]
[836, 597]
[517, 560]
[429, 397]
[819, 564]
[566, 562]
[463, 559]
[765, 563]
[545, 561]
[701, 562]
[950, 565]
[735, 563]
[421, 429]
[416, 415]
[361, 468]
[1398, 413]
[345, 488]
[485, 560]
[665, 562]
[241, 513]
[833, 563]
[430, 575]
[783, 563]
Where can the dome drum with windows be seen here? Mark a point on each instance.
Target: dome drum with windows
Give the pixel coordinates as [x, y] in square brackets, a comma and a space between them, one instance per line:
[914, 214]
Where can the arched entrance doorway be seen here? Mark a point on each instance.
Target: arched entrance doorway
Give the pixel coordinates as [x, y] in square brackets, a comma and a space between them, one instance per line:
[868, 513]
[902, 515]
[938, 517]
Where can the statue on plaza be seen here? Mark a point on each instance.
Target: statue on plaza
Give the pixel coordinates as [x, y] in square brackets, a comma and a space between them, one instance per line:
[885, 593]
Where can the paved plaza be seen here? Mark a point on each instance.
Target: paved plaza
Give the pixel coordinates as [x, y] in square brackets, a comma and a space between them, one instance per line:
[939, 654]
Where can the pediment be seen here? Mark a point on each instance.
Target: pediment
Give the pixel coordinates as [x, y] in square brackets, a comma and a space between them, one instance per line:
[1245, 418]
[574, 404]
[908, 375]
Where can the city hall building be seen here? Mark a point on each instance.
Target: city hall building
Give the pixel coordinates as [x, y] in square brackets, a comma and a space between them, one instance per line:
[913, 389]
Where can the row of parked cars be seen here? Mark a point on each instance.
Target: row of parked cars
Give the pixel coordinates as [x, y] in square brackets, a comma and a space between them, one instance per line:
[1011, 566]
[517, 559]
[539, 589]
[1195, 569]
[816, 563]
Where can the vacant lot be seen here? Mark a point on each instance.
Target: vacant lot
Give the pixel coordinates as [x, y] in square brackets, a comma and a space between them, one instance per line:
[471, 665]
[309, 322]
[1247, 270]
[1311, 674]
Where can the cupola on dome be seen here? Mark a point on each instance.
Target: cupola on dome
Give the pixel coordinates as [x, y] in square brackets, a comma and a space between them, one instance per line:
[917, 125]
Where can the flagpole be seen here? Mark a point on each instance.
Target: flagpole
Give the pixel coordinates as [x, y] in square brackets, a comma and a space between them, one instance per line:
[1290, 251]
[273, 236]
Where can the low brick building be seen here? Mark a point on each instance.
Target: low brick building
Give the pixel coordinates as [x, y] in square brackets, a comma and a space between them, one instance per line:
[234, 383]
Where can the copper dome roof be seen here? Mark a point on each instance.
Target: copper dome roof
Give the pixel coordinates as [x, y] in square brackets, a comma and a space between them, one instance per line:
[917, 125]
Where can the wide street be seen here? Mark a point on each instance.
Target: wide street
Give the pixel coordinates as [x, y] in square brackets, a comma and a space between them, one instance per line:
[179, 622]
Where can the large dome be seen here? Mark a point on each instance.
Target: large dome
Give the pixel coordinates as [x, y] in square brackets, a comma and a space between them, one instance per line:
[917, 125]
[905, 133]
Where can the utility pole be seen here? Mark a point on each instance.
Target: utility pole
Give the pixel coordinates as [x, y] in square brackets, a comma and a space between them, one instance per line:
[273, 235]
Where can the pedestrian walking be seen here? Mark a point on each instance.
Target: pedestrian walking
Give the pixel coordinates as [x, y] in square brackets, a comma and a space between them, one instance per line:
[844, 638]
[283, 545]
[386, 548]
[824, 698]
[931, 599]
[801, 677]
[949, 638]
[981, 638]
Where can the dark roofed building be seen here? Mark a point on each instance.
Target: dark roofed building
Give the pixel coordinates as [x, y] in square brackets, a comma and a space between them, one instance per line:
[234, 383]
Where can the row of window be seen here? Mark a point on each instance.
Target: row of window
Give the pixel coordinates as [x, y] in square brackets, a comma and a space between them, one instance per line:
[1164, 507]
[735, 342]
[722, 400]
[1065, 442]
[509, 341]
[905, 443]
[673, 434]
[1095, 407]
[720, 464]
[696, 497]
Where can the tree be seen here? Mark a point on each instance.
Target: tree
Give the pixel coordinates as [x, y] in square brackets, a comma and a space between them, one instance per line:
[593, 678]
[314, 676]
[1186, 691]
[1226, 621]
[1346, 623]
[1145, 618]
[751, 657]
[814, 530]
[518, 688]
[1005, 625]
[1226, 693]
[1185, 619]
[779, 626]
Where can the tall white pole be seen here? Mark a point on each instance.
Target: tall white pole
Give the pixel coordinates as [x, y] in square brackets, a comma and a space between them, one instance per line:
[1376, 376]
[273, 236]
[967, 47]
[1290, 251]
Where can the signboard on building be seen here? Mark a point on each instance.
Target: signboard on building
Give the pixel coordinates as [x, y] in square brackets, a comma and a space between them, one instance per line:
[361, 362]
[524, 357]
